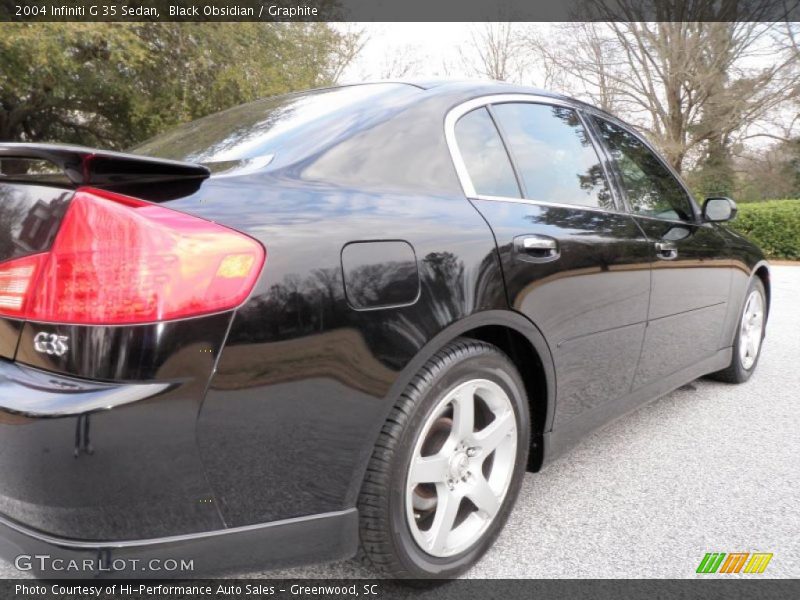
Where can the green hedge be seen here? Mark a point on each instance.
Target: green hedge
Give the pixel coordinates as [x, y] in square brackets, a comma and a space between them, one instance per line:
[774, 225]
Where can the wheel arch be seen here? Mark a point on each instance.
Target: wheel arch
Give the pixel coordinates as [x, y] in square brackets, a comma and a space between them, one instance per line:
[523, 343]
[525, 357]
[761, 271]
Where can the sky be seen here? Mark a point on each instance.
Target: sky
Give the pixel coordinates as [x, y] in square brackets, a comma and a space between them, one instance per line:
[432, 47]
[444, 50]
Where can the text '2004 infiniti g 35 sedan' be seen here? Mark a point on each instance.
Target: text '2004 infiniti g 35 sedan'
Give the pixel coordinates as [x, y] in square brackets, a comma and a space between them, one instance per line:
[351, 317]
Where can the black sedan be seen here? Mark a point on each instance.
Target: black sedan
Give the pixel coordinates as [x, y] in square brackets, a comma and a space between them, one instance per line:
[346, 318]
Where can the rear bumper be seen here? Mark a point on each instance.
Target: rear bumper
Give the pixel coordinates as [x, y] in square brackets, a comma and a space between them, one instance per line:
[31, 393]
[102, 479]
[87, 460]
[316, 538]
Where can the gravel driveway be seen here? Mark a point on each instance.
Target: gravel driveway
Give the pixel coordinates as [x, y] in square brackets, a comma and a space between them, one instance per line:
[710, 467]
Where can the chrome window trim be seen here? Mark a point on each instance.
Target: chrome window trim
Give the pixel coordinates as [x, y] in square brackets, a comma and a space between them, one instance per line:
[458, 111]
[549, 204]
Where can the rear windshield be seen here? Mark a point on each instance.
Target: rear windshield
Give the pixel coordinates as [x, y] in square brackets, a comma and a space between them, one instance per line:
[260, 130]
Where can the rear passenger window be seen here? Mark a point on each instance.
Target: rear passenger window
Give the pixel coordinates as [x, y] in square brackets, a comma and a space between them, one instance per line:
[485, 156]
[554, 154]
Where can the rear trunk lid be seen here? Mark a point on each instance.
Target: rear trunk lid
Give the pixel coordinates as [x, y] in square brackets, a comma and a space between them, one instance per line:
[37, 182]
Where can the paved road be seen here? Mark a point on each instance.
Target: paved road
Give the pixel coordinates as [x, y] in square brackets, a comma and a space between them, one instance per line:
[710, 467]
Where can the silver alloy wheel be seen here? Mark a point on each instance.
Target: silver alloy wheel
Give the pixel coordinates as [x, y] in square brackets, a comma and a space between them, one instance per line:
[752, 329]
[461, 467]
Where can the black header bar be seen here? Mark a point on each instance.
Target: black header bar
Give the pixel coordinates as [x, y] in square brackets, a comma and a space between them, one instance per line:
[398, 10]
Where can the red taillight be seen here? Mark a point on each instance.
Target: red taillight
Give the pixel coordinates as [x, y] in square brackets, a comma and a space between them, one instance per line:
[119, 260]
[17, 278]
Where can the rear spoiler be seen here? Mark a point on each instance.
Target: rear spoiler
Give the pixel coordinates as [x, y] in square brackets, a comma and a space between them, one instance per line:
[87, 166]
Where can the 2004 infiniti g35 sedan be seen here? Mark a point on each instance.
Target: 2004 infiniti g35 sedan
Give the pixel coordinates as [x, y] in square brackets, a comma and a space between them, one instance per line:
[345, 318]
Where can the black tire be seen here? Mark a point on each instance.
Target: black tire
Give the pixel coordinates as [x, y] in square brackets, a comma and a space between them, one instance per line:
[387, 543]
[735, 372]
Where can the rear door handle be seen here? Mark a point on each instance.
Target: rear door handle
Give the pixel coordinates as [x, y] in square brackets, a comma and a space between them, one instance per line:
[666, 250]
[536, 248]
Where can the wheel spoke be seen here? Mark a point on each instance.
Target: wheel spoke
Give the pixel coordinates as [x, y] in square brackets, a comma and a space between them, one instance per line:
[751, 330]
[490, 437]
[464, 414]
[446, 511]
[483, 497]
[751, 346]
[428, 469]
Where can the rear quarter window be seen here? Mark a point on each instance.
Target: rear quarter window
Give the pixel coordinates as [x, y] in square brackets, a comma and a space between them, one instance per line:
[485, 156]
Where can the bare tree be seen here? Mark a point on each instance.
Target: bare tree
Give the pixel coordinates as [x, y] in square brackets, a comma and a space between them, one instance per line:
[695, 86]
[400, 63]
[587, 73]
[495, 51]
[352, 42]
[770, 173]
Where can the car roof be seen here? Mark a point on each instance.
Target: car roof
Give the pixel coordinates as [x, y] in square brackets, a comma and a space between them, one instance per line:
[484, 86]
[479, 84]
[461, 90]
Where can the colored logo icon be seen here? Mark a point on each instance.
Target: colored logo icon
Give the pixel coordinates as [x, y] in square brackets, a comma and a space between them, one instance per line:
[734, 562]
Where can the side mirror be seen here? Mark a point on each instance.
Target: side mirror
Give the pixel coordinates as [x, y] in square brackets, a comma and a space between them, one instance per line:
[718, 210]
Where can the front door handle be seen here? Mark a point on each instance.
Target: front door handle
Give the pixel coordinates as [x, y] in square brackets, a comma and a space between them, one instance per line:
[536, 248]
[666, 250]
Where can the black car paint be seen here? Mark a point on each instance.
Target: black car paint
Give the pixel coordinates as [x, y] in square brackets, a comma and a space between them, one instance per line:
[269, 414]
[604, 270]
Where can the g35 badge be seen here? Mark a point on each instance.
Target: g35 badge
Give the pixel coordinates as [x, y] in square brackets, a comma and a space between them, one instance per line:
[51, 344]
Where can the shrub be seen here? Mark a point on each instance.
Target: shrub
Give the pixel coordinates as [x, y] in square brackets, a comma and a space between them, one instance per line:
[774, 225]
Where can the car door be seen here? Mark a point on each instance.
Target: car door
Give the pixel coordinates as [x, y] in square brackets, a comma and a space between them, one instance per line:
[573, 262]
[691, 275]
